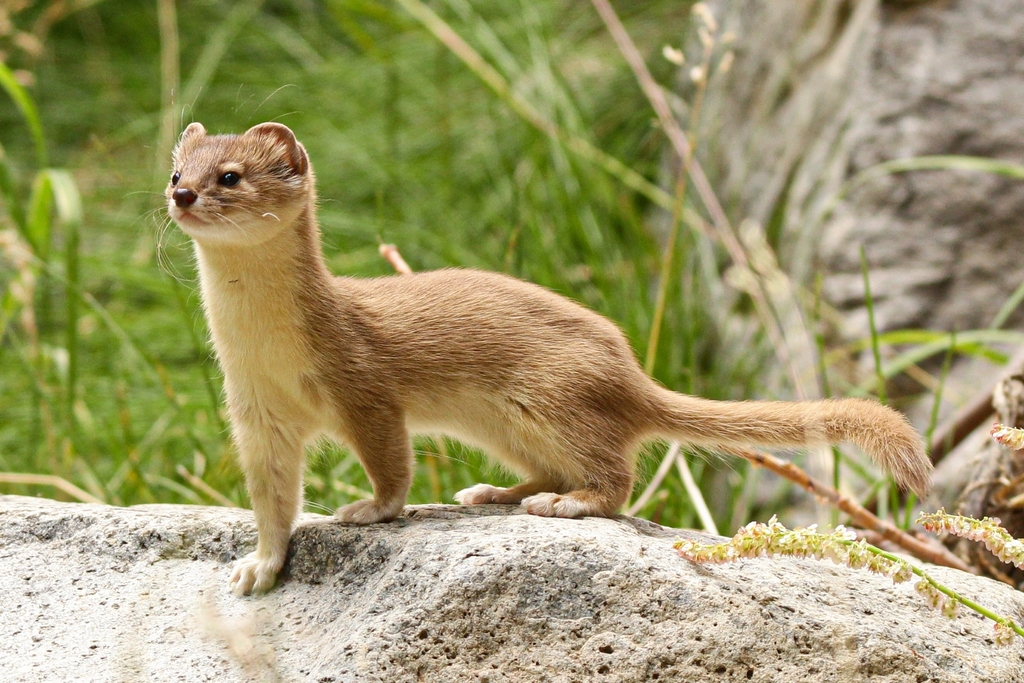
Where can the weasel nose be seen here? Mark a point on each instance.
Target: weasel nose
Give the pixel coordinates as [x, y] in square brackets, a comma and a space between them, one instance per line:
[184, 197]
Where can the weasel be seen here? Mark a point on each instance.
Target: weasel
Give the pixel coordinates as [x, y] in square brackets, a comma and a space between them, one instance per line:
[549, 388]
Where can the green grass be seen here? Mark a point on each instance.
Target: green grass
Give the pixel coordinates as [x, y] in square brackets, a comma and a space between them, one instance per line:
[545, 180]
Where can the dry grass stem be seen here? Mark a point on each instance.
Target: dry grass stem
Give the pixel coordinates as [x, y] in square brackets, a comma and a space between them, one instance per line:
[656, 480]
[696, 498]
[201, 486]
[724, 229]
[50, 480]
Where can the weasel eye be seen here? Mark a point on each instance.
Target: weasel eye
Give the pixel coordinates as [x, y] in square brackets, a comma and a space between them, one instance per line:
[230, 178]
[175, 178]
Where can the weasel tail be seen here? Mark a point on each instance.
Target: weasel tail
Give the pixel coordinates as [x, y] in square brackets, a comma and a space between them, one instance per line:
[881, 432]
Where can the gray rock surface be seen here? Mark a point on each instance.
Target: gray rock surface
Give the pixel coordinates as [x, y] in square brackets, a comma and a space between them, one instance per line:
[944, 78]
[93, 593]
[821, 90]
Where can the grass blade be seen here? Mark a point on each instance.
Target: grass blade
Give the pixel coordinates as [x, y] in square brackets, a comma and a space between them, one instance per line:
[1008, 307]
[69, 214]
[40, 207]
[170, 79]
[28, 110]
[870, 303]
[215, 48]
[496, 82]
[939, 162]
[942, 162]
[9, 193]
[200, 350]
[970, 342]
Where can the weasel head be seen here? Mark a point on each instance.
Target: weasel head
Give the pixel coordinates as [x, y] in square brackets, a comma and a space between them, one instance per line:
[239, 190]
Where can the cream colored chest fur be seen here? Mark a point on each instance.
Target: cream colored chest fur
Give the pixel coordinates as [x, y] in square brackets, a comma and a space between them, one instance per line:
[257, 334]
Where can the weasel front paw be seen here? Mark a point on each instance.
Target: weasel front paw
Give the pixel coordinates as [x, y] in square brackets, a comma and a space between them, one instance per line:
[368, 512]
[254, 575]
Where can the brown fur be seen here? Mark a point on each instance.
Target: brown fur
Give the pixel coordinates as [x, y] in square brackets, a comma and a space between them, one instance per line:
[547, 387]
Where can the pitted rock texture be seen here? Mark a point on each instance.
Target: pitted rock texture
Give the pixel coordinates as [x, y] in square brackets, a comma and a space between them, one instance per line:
[93, 593]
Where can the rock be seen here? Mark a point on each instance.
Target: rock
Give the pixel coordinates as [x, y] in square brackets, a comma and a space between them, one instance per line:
[93, 593]
[821, 90]
[943, 79]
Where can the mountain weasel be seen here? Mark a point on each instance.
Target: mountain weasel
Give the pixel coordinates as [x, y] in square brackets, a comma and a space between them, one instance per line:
[545, 386]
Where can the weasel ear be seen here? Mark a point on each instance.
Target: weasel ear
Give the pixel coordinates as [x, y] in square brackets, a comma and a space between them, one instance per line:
[285, 139]
[194, 128]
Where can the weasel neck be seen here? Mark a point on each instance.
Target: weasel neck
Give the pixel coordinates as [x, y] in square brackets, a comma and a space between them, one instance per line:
[253, 295]
[295, 248]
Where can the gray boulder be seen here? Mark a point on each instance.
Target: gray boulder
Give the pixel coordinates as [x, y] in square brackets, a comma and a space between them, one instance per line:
[93, 593]
[821, 90]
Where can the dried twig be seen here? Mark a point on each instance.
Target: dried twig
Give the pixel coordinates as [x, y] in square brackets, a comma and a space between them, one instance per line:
[936, 554]
[971, 416]
[391, 255]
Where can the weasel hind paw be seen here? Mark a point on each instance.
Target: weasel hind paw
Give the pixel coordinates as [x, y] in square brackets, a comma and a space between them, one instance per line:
[254, 575]
[554, 505]
[368, 512]
[481, 494]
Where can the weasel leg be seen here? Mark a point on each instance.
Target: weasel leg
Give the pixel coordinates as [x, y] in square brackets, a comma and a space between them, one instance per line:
[384, 449]
[273, 464]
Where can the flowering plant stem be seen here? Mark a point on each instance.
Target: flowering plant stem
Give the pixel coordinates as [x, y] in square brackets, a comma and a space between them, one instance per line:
[950, 593]
[840, 546]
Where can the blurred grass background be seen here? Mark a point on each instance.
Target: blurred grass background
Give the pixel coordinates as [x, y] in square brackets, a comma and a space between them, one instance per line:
[106, 378]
